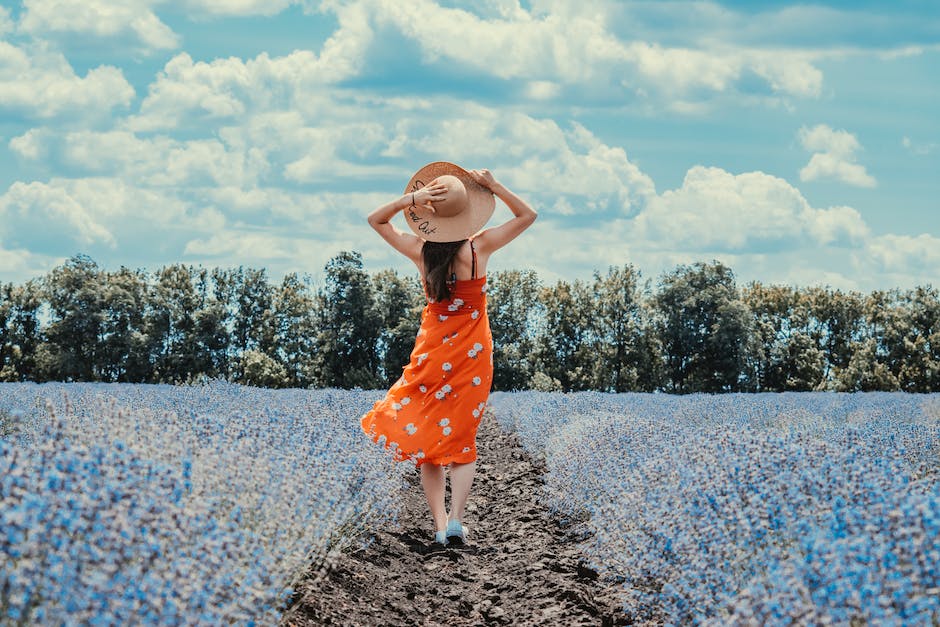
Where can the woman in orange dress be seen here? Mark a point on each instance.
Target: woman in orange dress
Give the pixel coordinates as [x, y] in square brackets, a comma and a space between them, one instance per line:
[431, 414]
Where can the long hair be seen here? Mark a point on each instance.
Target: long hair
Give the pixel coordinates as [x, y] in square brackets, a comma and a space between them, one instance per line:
[438, 257]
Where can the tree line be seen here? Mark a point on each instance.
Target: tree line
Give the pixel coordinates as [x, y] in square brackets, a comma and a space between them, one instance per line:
[696, 330]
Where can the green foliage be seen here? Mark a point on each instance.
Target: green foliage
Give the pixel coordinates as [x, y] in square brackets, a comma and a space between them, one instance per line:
[261, 370]
[512, 303]
[704, 329]
[697, 332]
[348, 326]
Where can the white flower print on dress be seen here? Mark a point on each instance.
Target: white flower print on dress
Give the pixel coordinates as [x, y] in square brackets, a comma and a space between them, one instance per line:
[446, 430]
[441, 317]
[466, 449]
[406, 400]
[446, 388]
[423, 388]
[475, 314]
[444, 422]
[446, 366]
[439, 395]
[396, 406]
[472, 354]
[477, 347]
[455, 305]
[477, 381]
[476, 413]
[419, 454]
[411, 428]
[422, 357]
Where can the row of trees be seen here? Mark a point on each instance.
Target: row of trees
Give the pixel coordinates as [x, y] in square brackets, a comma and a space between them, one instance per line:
[697, 331]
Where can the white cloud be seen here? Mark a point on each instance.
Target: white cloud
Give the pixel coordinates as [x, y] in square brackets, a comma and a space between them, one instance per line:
[31, 144]
[99, 18]
[228, 89]
[44, 85]
[834, 157]
[6, 22]
[717, 210]
[21, 264]
[58, 216]
[574, 46]
[32, 210]
[904, 253]
[917, 148]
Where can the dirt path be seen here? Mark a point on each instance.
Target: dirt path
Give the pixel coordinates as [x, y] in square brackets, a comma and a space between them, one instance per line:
[519, 567]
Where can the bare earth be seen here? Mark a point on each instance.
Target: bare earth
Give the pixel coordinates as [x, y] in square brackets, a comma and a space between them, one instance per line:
[520, 567]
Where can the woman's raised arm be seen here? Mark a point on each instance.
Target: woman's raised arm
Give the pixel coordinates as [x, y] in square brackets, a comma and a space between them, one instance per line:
[489, 240]
[406, 243]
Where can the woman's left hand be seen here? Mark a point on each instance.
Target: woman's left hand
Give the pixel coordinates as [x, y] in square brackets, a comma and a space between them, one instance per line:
[485, 178]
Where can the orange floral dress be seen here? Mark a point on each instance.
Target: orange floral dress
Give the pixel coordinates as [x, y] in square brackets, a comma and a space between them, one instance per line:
[432, 412]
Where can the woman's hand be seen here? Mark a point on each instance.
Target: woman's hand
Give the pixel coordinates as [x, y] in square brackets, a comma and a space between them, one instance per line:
[485, 178]
[429, 194]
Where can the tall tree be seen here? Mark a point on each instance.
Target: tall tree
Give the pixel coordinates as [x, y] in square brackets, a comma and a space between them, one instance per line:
[782, 356]
[398, 302]
[837, 323]
[123, 343]
[626, 347]
[171, 326]
[512, 304]
[565, 342]
[348, 325]
[703, 328]
[294, 324]
[75, 296]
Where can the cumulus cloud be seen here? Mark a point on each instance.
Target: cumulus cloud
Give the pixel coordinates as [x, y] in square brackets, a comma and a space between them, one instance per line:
[717, 210]
[42, 84]
[64, 215]
[99, 18]
[50, 213]
[228, 89]
[834, 156]
[902, 253]
[574, 46]
[19, 262]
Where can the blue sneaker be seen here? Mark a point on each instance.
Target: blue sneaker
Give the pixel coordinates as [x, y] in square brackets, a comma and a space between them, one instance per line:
[456, 532]
[440, 537]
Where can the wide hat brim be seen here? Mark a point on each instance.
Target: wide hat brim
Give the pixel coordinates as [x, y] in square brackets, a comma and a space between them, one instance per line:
[435, 228]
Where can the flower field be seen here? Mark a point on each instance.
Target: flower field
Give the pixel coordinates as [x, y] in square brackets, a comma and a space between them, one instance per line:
[144, 504]
[204, 505]
[748, 509]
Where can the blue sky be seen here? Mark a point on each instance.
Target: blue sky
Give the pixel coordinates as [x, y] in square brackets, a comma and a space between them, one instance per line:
[798, 143]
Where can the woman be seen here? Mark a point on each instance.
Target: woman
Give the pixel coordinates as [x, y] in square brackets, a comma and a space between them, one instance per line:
[431, 414]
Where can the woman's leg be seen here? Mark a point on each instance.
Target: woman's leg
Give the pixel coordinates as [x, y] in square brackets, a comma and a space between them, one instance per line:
[432, 479]
[461, 478]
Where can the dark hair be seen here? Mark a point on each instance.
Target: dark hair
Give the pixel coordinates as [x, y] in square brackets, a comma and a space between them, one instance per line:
[438, 257]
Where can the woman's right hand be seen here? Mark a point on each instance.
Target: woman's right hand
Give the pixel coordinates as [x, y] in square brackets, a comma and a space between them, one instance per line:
[430, 194]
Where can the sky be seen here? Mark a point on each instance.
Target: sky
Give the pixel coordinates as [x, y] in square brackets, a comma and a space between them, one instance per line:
[798, 143]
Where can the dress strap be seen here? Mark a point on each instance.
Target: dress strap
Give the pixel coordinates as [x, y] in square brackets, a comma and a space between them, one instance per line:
[473, 269]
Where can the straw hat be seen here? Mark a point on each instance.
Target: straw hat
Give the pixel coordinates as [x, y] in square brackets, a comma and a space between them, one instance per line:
[466, 209]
